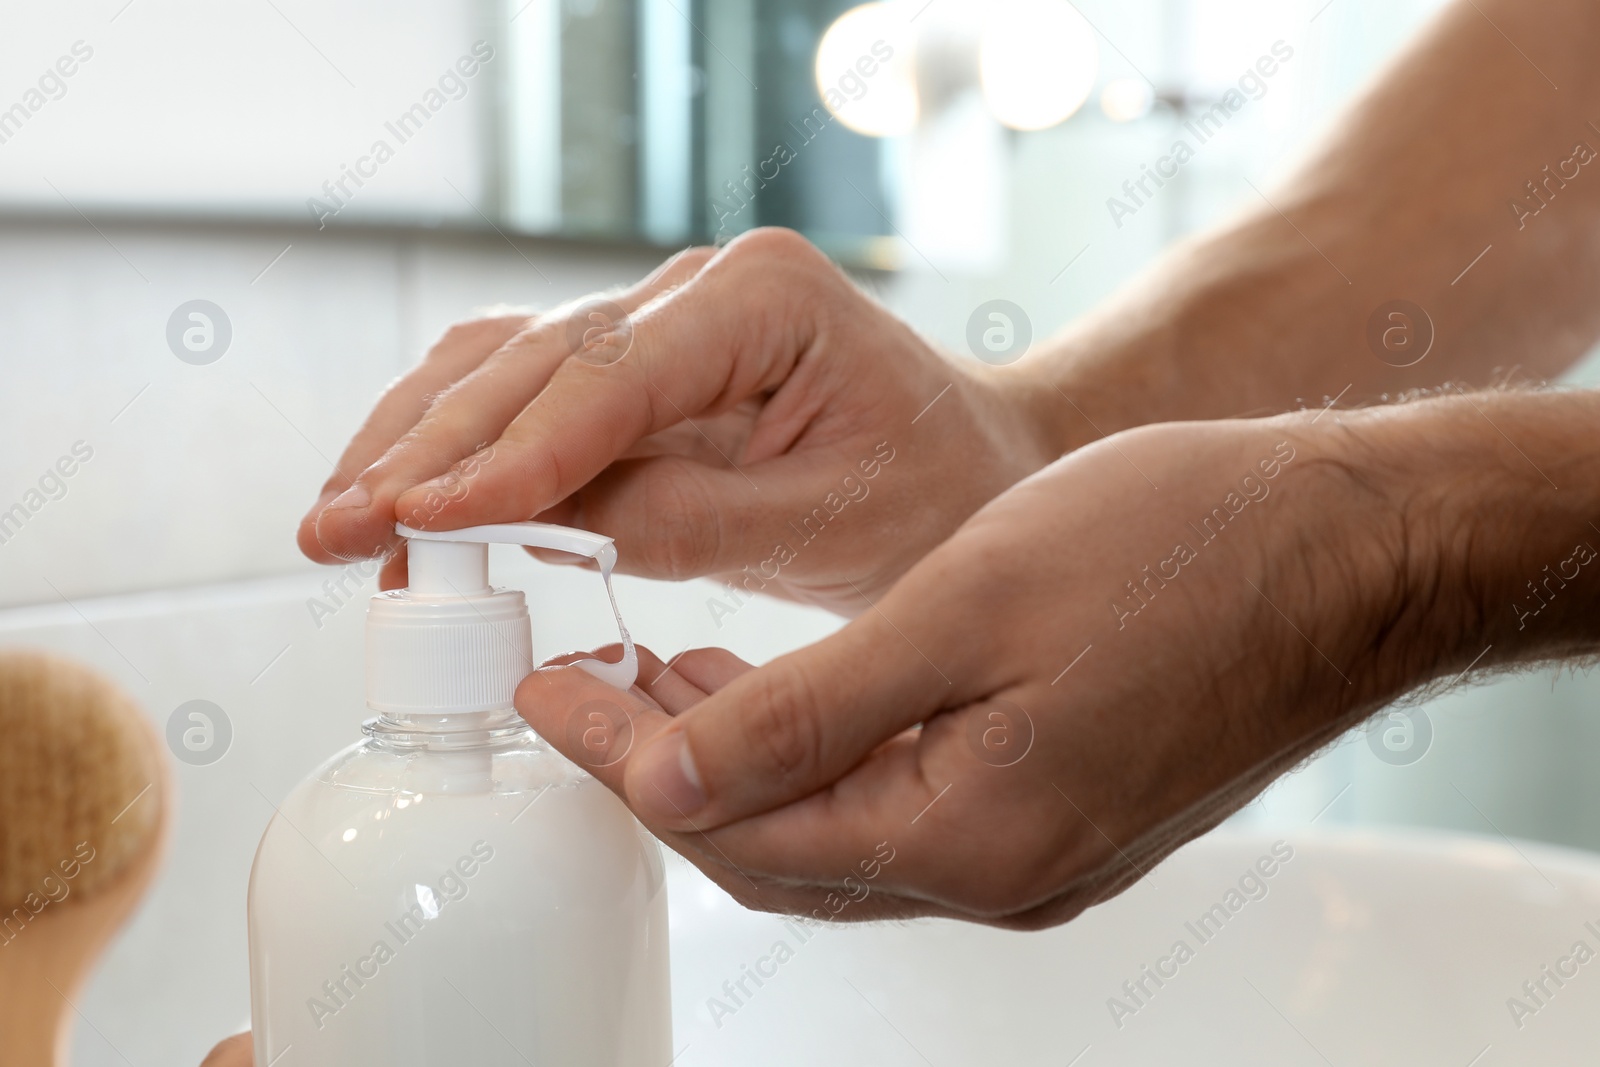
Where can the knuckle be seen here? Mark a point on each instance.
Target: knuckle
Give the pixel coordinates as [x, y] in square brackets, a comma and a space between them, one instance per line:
[774, 244]
[689, 261]
[419, 445]
[791, 272]
[531, 336]
[785, 731]
[698, 255]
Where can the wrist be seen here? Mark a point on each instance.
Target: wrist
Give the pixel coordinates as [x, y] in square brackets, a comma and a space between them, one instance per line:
[1486, 504]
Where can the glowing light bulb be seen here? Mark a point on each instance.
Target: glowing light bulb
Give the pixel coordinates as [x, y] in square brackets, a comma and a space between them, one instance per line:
[1037, 62]
[865, 72]
[1126, 99]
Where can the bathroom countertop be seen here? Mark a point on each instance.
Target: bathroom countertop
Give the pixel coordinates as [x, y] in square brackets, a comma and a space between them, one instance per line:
[1364, 948]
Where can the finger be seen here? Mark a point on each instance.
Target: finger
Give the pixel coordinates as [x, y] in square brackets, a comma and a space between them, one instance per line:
[1029, 853]
[847, 898]
[674, 518]
[555, 697]
[803, 859]
[711, 439]
[591, 723]
[234, 1052]
[463, 347]
[658, 680]
[469, 415]
[734, 331]
[709, 669]
[665, 685]
[876, 843]
[597, 726]
[774, 735]
[914, 801]
[861, 859]
[875, 824]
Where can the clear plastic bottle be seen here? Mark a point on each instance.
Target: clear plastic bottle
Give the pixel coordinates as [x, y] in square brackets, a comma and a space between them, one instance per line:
[451, 890]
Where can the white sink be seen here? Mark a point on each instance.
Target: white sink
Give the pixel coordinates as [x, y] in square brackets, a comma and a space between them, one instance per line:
[1367, 949]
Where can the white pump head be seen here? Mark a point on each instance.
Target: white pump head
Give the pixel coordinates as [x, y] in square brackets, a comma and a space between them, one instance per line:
[449, 644]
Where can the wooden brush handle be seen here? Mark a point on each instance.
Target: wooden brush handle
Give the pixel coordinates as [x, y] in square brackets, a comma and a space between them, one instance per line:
[44, 968]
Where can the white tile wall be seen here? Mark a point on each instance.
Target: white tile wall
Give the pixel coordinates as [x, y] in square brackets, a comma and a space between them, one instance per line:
[197, 470]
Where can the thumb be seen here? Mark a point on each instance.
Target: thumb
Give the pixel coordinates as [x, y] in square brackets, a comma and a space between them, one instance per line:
[782, 732]
[676, 518]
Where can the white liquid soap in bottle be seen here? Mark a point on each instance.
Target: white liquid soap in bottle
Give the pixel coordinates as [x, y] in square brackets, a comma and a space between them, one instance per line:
[451, 890]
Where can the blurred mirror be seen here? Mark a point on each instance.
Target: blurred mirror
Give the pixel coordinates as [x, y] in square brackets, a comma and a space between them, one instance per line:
[659, 121]
[654, 121]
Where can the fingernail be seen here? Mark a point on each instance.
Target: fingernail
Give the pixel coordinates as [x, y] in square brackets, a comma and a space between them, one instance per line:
[670, 782]
[354, 497]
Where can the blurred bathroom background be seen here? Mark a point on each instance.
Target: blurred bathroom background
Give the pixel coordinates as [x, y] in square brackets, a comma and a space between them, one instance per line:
[204, 152]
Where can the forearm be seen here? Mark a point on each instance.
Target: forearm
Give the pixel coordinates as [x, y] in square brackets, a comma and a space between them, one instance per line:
[1420, 177]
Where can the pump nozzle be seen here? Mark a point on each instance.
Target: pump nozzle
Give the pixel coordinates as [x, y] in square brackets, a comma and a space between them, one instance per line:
[449, 643]
[456, 563]
[445, 558]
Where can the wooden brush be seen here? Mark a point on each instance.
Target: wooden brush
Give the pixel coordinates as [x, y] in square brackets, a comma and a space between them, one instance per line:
[84, 809]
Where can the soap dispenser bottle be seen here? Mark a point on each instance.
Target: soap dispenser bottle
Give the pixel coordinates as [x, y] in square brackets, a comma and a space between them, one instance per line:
[451, 890]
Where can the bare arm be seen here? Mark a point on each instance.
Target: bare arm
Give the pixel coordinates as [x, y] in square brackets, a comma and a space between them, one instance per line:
[1417, 180]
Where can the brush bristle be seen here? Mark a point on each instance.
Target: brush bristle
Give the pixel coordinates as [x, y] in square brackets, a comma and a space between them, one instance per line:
[75, 752]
